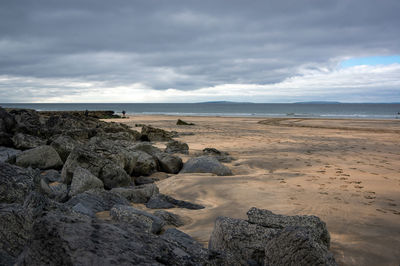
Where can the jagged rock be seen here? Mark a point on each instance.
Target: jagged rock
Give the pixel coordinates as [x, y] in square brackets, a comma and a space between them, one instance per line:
[161, 201]
[15, 183]
[57, 191]
[43, 157]
[24, 141]
[110, 173]
[7, 126]
[219, 155]
[296, 246]
[272, 240]
[28, 122]
[175, 146]
[169, 163]
[268, 219]
[15, 232]
[137, 194]
[80, 208]
[143, 180]
[183, 123]
[142, 164]
[97, 200]
[83, 180]
[8, 154]
[205, 164]
[146, 147]
[60, 239]
[169, 218]
[130, 214]
[156, 134]
[64, 145]
[51, 176]
[130, 135]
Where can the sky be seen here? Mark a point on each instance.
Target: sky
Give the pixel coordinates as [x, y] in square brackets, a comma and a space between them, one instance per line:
[195, 51]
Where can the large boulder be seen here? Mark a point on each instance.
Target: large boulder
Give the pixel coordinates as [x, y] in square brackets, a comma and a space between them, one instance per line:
[156, 134]
[137, 194]
[146, 147]
[205, 164]
[129, 214]
[7, 125]
[64, 144]
[270, 239]
[60, 239]
[55, 190]
[43, 157]
[7, 154]
[169, 163]
[84, 180]
[15, 183]
[112, 174]
[219, 155]
[24, 141]
[169, 218]
[28, 122]
[161, 201]
[174, 146]
[141, 163]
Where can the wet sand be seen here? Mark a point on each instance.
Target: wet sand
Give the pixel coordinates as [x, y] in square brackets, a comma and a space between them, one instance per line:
[347, 172]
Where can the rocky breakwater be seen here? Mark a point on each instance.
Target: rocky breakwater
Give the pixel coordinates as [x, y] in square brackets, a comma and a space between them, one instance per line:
[60, 172]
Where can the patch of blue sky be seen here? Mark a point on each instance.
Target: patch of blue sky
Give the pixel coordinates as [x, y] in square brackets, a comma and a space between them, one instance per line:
[371, 61]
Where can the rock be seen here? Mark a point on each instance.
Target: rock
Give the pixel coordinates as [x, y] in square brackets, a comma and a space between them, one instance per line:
[146, 147]
[57, 191]
[97, 200]
[24, 141]
[205, 164]
[128, 214]
[268, 219]
[244, 241]
[16, 228]
[83, 180]
[42, 157]
[60, 239]
[138, 194]
[28, 122]
[80, 208]
[175, 146]
[142, 163]
[8, 154]
[161, 201]
[110, 173]
[169, 163]
[51, 176]
[7, 126]
[183, 123]
[64, 144]
[270, 239]
[130, 136]
[143, 180]
[156, 134]
[169, 218]
[296, 246]
[219, 155]
[15, 183]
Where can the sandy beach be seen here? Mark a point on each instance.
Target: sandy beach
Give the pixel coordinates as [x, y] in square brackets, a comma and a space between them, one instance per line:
[347, 172]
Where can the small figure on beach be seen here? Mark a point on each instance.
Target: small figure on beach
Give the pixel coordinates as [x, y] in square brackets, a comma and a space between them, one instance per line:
[87, 113]
[123, 113]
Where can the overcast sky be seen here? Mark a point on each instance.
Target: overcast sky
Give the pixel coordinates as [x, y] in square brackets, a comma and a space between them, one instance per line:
[191, 51]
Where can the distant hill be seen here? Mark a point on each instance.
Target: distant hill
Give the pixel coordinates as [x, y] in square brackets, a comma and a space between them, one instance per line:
[223, 102]
[318, 102]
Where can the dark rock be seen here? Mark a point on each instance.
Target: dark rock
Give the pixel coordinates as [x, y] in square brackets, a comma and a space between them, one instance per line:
[61, 239]
[28, 122]
[137, 194]
[268, 219]
[15, 183]
[169, 163]
[156, 134]
[83, 180]
[8, 154]
[7, 127]
[57, 191]
[161, 201]
[183, 123]
[23, 141]
[130, 136]
[142, 163]
[80, 208]
[205, 164]
[146, 147]
[175, 146]
[129, 214]
[169, 218]
[42, 157]
[219, 155]
[51, 176]
[143, 180]
[97, 200]
[64, 144]
[110, 173]
[296, 246]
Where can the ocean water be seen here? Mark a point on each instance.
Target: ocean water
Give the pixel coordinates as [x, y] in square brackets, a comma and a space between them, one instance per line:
[316, 110]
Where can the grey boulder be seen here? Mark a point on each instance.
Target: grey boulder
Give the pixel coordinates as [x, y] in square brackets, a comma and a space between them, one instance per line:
[8, 154]
[25, 141]
[161, 201]
[42, 157]
[64, 144]
[175, 146]
[205, 164]
[137, 194]
[84, 180]
[169, 218]
[169, 163]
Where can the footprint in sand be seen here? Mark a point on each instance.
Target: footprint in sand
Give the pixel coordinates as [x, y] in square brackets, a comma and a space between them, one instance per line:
[343, 186]
[337, 198]
[369, 195]
[343, 178]
[358, 186]
[283, 182]
[380, 210]
[324, 193]
[332, 177]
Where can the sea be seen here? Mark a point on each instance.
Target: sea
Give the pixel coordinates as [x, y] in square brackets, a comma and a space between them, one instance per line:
[305, 110]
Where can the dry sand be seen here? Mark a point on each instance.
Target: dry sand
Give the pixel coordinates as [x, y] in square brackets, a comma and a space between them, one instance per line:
[347, 172]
